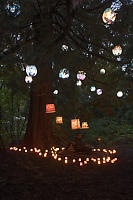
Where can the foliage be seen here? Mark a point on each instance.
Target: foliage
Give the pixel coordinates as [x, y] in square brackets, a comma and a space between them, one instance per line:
[36, 36]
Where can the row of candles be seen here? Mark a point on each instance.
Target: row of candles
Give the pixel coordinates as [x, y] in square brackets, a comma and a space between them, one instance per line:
[54, 152]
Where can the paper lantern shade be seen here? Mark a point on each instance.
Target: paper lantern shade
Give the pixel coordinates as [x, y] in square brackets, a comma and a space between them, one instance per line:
[84, 125]
[59, 120]
[119, 94]
[102, 71]
[81, 75]
[75, 123]
[109, 16]
[13, 8]
[31, 70]
[64, 73]
[50, 108]
[117, 50]
[99, 91]
[93, 88]
[28, 79]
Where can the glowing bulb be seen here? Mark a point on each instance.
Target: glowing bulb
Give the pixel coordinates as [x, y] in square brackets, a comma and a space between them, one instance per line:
[119, 94]
[109, 16]
[102, 71]
[74, 160]
[117, 50]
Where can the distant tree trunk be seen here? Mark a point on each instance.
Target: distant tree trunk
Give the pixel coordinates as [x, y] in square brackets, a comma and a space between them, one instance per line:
[39, 126]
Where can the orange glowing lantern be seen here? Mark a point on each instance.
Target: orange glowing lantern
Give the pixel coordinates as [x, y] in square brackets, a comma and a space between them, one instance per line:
[50, 108]
[59, 120]
[75, 123]
[84, 125]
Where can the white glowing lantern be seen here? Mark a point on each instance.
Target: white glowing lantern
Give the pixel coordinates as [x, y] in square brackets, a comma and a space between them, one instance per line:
[64, 47]
[59, 120]
[81, 75]
[117, 50]
[79, 83]
[55, 91]
[99, 91]
[102, 71]
[119, 94]
[13, 8]
[31, 70]
[109, 16]
[64, 73]
[75, 123]
[28, 79]
[93, 88]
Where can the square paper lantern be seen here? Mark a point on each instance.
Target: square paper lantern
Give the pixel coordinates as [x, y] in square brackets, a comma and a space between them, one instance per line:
[59, 120]
[50, 108]
[84, 125]
[75, 123]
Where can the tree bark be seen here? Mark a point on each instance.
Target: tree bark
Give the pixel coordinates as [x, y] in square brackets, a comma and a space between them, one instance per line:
[39, 126]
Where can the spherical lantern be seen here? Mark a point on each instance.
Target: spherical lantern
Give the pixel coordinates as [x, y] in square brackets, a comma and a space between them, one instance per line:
[75, 123]
[59, 120]
[55, 92]
[93, 88]
[50, 108]
[13, 8]
[28, 79]
[99, 91]
[64, 47]
[109, 16]
[64, 73]
[79, 83]
[81, 75]
[31, 70]
[119, 94]
[117, 50]
[84, 125]
[102, 71]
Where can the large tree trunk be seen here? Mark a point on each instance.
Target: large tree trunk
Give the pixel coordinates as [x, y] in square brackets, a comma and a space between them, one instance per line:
[39, 127]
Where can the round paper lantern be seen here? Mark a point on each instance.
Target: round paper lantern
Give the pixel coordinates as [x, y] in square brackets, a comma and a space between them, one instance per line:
[99, 91]
[28, 79]
[93, 88]
[64, 73]
[117, 50]
[109, 16]
[59, 120]
[81, 75]
[75, 123]
[50, 108]
[79, 83]
[102, 71]
[119, 94]
[55, 91]
[84, 125]
[13, 8]
[64, 47]
[31, 70]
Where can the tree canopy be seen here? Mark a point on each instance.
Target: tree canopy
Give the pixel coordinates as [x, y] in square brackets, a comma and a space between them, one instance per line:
[70, 34]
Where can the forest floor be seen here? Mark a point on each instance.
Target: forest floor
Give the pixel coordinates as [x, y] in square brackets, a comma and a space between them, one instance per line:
[30, 177]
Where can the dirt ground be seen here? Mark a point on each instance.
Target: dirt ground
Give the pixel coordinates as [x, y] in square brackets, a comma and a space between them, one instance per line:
[30, 177]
